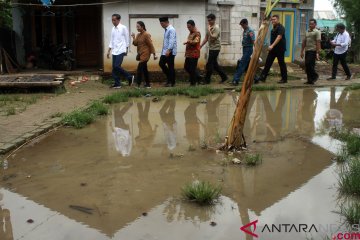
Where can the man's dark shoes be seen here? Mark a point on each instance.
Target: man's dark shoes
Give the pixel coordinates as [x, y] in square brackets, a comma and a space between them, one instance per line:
[309, 83]
[115, 86]
[348, 77]
[331, 78]
[282, 81]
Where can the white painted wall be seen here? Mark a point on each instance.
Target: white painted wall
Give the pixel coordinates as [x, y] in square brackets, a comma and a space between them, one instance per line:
[188, 9]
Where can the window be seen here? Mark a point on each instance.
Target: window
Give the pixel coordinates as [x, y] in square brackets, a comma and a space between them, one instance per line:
[225, 23]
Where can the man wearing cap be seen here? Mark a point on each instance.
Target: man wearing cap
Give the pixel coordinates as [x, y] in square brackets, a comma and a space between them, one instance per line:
[168, 52]
[248, 44]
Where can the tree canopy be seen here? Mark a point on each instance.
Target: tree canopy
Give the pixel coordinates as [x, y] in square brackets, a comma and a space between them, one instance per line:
[5, 14]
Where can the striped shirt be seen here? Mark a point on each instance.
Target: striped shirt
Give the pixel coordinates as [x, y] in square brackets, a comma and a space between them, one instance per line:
[169, 41]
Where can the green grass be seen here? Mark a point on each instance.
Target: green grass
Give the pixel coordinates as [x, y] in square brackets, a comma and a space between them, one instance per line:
[261, 88]
[201, 192]
[355, 86]
[342, 156]
[193, 92]
[10, 111]
[98, 108]
[349, 178]
[351, 212]
[78, 119]
[81, 118]
[351, 141]
[252, 159]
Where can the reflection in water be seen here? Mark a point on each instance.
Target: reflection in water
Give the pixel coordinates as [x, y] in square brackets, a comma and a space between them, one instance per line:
[293, 180]
[334, 116]
[6, 232]
[146, 132]
[167, 114]
[192, 124]
[121, 131]
[308, 111]
[177, 210]
[274, 117]
[212, 124]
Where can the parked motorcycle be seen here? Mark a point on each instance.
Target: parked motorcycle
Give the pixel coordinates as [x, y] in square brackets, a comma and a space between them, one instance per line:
[63, 58]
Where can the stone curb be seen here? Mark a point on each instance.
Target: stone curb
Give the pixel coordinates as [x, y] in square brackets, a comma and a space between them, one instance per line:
[44, 127]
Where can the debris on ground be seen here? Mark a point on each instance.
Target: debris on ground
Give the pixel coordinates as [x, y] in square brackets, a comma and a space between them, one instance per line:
[204, 101]
[82, 209]
[213, 224]
[156, 99]
[236, 161]
[30, 221]
[176, 155]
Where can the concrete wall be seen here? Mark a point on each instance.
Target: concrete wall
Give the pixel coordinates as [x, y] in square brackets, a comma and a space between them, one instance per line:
[188, 9]
[240, 9]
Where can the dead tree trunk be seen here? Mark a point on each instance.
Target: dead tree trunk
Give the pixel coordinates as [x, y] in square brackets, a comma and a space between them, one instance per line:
[235, 138]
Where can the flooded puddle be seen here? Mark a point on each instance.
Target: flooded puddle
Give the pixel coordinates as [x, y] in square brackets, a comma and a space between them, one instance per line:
[121, 177]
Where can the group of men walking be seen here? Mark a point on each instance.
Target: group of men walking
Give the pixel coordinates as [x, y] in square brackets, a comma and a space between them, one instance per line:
[311, 47]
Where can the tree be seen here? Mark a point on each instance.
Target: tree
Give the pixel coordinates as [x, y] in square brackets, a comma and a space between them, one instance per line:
[350, 8]
[5, 14]
[235, 138]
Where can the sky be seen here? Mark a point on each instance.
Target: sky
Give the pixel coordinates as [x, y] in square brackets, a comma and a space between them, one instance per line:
[323, 5]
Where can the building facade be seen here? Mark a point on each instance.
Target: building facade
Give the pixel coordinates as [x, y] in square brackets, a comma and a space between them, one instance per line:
[86, 26]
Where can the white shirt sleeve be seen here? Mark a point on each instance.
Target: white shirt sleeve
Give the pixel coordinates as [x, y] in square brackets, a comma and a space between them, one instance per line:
[346, 39]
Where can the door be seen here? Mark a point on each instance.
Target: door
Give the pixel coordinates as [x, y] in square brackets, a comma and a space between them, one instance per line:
[88, 42]
[287, 19]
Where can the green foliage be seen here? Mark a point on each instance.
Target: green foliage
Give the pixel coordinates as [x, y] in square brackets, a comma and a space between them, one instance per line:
[81, 118]
[355, 86]
[193, 92]
[351, 212]
[5, 14]
[78, 119]
[349, 178]
[350, 8]
[252, 159]
[201, 192]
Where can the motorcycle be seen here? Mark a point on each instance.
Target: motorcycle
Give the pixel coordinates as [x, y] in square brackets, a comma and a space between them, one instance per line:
[63, 58]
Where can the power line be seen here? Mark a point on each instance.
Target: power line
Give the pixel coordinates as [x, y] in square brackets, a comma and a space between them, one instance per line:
[70, 5]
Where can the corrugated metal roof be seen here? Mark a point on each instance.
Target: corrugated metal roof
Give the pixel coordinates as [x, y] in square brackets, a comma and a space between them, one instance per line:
[330, 15]
[326, 23]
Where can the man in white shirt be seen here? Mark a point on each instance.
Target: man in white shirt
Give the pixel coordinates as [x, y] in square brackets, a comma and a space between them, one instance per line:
[341, 44]
[119, 45]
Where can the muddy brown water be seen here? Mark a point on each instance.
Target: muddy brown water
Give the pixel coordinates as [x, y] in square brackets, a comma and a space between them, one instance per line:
[127, 169]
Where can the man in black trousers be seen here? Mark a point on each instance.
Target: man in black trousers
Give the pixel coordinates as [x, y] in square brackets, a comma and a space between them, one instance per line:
[277, 50]
[311, 45]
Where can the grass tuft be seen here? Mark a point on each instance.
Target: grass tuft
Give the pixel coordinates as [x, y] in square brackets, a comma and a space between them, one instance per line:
[10, 111]
[349, 178]
[81, 118]
[252, 159]
[355, 86]
[351, 212]
[201, 192]
[78, 119]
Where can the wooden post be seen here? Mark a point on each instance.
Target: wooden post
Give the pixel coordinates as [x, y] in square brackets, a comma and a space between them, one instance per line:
[235, 138]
